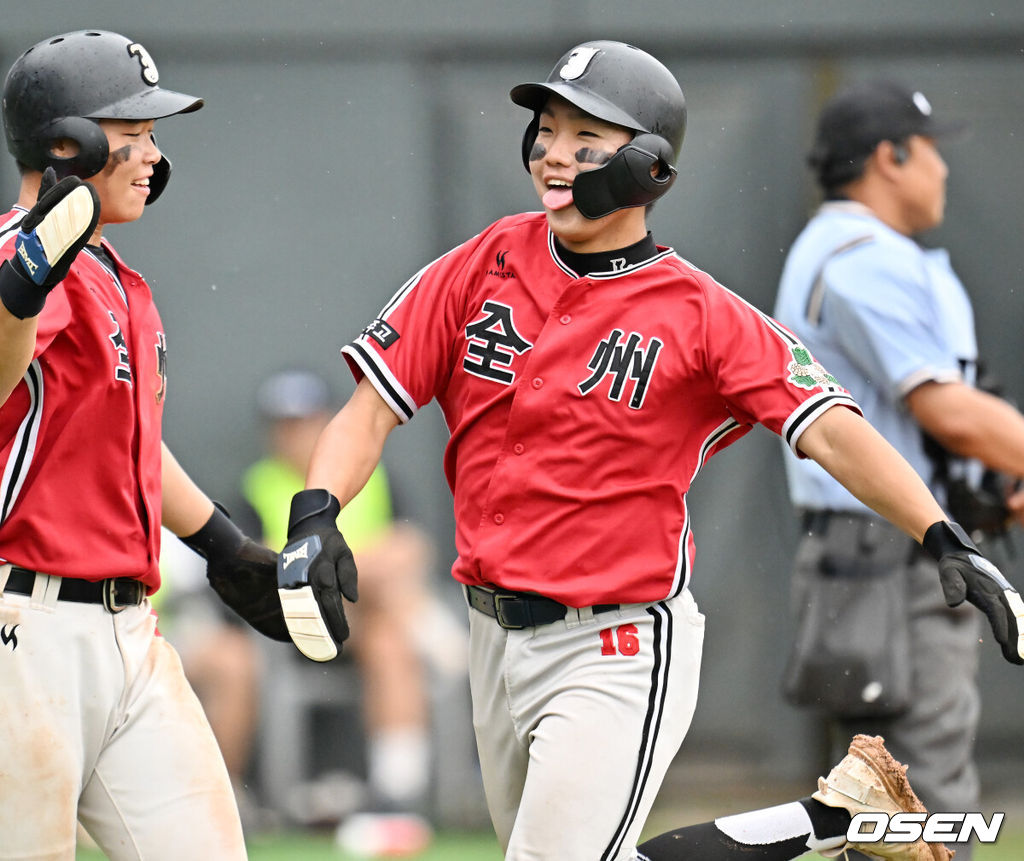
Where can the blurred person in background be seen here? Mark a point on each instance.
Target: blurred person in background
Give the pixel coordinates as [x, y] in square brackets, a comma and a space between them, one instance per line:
[400, 627]
[877, 649]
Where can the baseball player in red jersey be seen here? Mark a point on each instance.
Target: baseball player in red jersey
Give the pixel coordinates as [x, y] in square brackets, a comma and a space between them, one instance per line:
[97, 721]
[586, 374]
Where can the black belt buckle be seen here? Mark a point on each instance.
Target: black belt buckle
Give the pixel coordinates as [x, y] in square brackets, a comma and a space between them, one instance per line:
[499, 614]
[112, 603]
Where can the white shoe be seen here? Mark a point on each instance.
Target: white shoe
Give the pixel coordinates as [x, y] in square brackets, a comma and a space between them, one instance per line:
[869, 780]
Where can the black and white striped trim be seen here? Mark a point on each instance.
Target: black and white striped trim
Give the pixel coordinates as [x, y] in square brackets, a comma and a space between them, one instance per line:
[661, 649]
[811, 409]
[379, 374]
[603, 276]
[20, 459]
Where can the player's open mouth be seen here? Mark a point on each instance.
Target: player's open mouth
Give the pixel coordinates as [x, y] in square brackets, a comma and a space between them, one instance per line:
[558, 195]
[141, 184]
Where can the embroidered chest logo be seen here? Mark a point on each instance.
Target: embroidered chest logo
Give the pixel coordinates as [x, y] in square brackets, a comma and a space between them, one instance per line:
[500, 271]
[9, 636]
[493, 344]
[122, 370]
[807, 373]
[623, 361]
[161, 365]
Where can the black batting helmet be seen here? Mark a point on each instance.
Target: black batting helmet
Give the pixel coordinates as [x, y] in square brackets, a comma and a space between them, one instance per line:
[624, 85]
[61, 86]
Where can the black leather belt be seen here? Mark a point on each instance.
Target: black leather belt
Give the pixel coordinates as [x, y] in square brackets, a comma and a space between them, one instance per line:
[517, 610]
[115, 594]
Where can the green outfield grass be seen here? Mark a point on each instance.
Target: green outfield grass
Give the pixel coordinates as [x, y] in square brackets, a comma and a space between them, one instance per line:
[304, 846]
[481, 846]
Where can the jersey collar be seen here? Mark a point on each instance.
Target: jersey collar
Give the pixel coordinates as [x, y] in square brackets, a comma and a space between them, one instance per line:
[604, 262]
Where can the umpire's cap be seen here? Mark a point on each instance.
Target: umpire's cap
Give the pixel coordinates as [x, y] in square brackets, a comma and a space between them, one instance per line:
[855, 121]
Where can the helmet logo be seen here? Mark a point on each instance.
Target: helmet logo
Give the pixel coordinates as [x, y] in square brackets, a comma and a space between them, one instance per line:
[577, 63]
[149, 73]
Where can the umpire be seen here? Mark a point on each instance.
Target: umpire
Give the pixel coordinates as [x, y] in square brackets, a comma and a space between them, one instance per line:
[877, 648]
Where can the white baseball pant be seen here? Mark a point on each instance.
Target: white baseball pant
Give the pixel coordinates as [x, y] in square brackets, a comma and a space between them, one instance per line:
[98, 724]
[577, 722]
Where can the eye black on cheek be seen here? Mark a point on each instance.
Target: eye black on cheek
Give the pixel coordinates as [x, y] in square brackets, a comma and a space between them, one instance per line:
[586, 155]
[119, 156]
[537, 152]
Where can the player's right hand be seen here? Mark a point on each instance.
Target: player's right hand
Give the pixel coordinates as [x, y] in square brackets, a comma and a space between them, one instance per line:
[967, 575]
[49, 239]
[314, 571]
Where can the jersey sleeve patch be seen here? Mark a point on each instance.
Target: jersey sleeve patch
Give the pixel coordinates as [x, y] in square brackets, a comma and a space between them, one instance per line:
[805, 373]
[382, 332]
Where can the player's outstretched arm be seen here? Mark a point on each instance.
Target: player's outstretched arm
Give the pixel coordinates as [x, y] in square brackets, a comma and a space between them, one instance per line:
[50, 236]
[861, 459]
[241, 571]
[316, 569]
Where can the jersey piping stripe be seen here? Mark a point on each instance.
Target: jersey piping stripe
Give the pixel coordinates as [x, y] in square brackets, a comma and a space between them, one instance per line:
[382, 379]
[661, 648]
[24, 448]
[407, 288]
[774, 325]
[681, 578]
[113, 275]
[11, 224]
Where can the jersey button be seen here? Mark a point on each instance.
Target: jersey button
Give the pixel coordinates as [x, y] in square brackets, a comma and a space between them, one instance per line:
[519, 448]
[537, 382]
[565, 319]
[499, 518]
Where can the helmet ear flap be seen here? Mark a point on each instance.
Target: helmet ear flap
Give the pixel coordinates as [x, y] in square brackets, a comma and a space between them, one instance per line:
[638, 174]
[91, 140]
[158, 181]
[662, 151]
[529, 139]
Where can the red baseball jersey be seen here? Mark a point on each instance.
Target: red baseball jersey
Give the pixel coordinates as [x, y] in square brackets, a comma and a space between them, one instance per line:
[80, 434]
[582, 408]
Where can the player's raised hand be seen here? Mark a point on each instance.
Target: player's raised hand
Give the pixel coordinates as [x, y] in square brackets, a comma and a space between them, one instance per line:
[313, 572]
[50, 237]
[967, 575]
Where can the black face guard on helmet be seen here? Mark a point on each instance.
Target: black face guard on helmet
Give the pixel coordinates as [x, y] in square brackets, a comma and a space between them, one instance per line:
[623, 85]
[60, 88]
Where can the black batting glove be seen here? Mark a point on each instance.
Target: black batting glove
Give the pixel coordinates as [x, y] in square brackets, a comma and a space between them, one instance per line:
[48, 241]
[967, 575]
[314, 571]
[242, 572]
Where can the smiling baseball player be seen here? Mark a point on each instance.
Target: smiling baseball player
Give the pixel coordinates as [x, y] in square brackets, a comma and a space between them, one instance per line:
[586, 375]
[97, 722]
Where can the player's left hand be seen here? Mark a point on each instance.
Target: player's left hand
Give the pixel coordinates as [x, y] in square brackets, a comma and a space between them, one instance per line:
[967, 575]
[314, 571]
[242, 572]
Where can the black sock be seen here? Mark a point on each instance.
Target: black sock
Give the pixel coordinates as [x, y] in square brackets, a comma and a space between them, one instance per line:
[706, 842]
[827, 821]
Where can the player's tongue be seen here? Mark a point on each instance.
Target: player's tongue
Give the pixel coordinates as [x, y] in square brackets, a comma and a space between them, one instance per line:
[557, 197]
